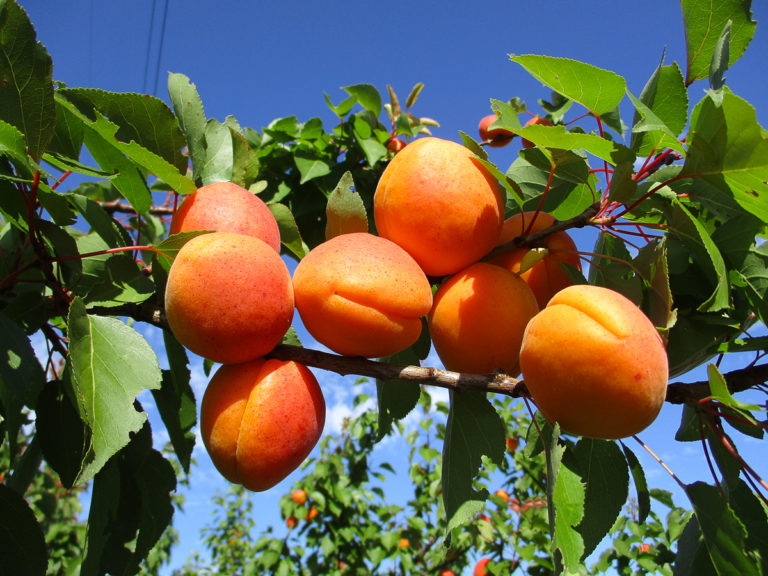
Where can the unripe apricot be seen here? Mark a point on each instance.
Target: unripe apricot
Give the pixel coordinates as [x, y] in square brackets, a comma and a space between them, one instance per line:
[440, 204]
[547, 276]
[227, 207]
[495, 138]
[595, 363]
[260, 419]
[229, 297]
[361, 295]
[478, 319]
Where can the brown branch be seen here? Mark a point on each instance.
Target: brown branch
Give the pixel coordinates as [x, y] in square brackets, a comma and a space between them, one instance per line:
[677, 392]
[120, 206]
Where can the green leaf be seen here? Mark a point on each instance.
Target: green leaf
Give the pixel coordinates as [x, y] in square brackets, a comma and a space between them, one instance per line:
[558, 137]
[474, 430]
[21, 377]
[290, 236]
[704, 22]
[219, 153]
[100, 221]
[754, 516]
[661, 112]
[245, 163]
[615, 270]
[345, 211]
[189, 110]
[123, 282]
[651, 264]
[175, 401]
[26, 86]
[111, 363]
[413, 95]
[67, 138]
[368, 97]
[141, 119]
[720, 57]
[598, 90]
[719, 391]
[728, 150]
[692, 557]
[603, 470]
[310, 165]
[641, 485]
[21, 538]
[723, 533]
[14, 147]
[396, 398]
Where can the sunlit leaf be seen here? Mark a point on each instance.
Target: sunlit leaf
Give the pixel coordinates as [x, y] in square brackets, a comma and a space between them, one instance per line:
[345, 212]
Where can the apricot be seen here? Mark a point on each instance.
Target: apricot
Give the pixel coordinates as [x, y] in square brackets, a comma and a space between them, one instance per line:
[437, 201]
[229, 297]
[227, 207]
[299, 496]
[361, 295]
[480, 567]
[495, 138]
[595, 363]
[260, 419]
[478, 319]
[547, 276]
[533, 121]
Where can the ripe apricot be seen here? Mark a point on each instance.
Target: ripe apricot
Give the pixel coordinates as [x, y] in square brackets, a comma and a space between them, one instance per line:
[478, 318]
[501, 493]
[440, 204]
[229, 297]
[361, 295]
[260, 419]
[595, 363]
[299, 496]
[394, 145]
[547, 276]
[495, 138]
[480, 567]
[227, 207]
[533, 121]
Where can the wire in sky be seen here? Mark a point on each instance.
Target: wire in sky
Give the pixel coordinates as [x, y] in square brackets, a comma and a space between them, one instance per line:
[149, 46]
[160, 49]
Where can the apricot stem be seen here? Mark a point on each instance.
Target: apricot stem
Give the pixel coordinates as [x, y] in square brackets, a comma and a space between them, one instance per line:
[660, 461]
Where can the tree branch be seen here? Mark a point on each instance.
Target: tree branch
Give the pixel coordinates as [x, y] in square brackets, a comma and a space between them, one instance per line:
[120, 206]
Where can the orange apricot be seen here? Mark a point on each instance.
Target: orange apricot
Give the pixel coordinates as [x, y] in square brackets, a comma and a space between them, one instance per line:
[497, 137]
[480, 567]
[594, 362]
[227, 207]
[437, 201]
[260, 419]
[547, 276]
[229, 297]
[478, 318]
[299, 496]
[361, 295]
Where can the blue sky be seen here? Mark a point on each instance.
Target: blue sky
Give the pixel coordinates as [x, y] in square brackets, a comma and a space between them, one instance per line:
[262, 60]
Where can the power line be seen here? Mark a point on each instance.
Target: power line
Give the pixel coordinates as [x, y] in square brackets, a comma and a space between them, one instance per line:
[149, 46]
[160, 49]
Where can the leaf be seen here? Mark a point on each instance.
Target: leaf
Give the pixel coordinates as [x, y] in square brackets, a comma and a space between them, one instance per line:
[123, 282]
[310, 165]
[345, 211]
[140, 119]
[723, 533]
[175, 401]
[290, 236]
[720, 58]
[67, 138]
[661, 112]
[245, 163]
[396, 398]
[598, 90]
[641, 485]
[559, 138]
[110, 363]
[692, 557]
[368, 97]
[615, 271]
[189, 110]
[754, 516]
[719, 391]
[602, 467]
[21, 538]
[413, 95]
[21, 377]
[100, 221]
[704, 22]
[728, 150]
[651, 263]
[26, 85]
[219, 153]
[474, 430]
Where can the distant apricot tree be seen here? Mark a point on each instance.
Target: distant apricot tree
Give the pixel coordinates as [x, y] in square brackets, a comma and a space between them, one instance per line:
[679, 205]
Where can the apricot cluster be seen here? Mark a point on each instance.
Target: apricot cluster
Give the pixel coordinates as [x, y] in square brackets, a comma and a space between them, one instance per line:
[229, 298]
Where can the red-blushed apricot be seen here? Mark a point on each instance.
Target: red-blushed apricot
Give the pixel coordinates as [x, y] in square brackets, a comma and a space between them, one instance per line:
[547, 276]
[440, 204]
[260, 419]
[227, 207]
[495, 138]
[595, 363]
[299, 496]
[478, 318]
[394, 145]
[229, 297]
[532, 122]
[361, 295]
[480, 567]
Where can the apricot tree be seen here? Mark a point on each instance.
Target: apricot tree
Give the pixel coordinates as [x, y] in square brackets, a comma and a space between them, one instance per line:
[678, 202]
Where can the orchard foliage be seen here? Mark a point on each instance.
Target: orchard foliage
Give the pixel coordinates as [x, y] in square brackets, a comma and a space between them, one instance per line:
[679, 197]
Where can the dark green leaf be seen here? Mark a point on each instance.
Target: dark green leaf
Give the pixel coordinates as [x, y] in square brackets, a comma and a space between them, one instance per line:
[100, 221]
[598, 90]
[704, 21]
[396, 398]
[21, 539]
[26, 86]
[189, 110]
[474, 430]
[641, 485]
[111, 363]
[123, 282]
[723, 533]
[692, 558]
[68, 136]
[368, 97]
[615, 270]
